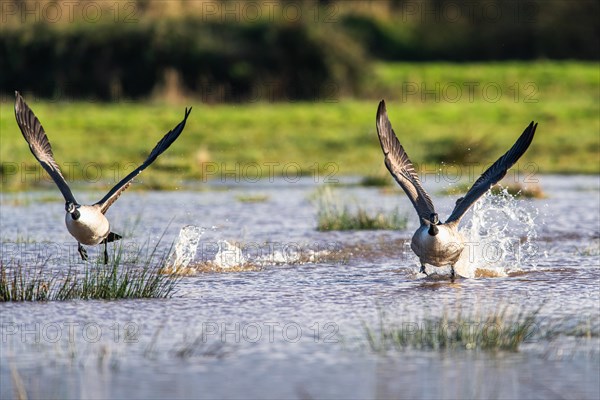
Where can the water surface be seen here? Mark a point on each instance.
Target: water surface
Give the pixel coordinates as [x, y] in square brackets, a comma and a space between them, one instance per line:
[291, 324]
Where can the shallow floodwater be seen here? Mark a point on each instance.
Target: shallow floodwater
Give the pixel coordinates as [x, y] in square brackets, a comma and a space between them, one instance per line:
[271, 308]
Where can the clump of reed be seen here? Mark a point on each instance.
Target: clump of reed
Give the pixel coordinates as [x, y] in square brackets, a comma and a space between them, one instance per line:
[109, 282]
[520, 190]
[379, 180]
[499, 330]
[252, 198]
[517, 190]
[590, 250]
[118, 280]
[20, 284]
[333, 215]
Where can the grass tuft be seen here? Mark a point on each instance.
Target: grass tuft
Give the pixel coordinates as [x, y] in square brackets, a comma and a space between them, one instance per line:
[376, 181]
[499, 330]
[591, 250]
[517, 190]
[252, 198]
[107, 282]
[334, 216]
[21, 284]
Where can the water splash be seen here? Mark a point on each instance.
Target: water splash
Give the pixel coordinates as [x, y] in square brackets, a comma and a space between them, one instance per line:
[229, 256]
[500, 237]
[185, 248]
[225, 256]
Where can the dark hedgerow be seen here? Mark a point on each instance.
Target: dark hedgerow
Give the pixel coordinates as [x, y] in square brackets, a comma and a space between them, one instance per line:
[215, 60]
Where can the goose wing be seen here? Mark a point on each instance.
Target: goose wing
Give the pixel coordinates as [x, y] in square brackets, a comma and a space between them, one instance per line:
[34, 134]
[400, 166]
[493, 174]
[160, 147]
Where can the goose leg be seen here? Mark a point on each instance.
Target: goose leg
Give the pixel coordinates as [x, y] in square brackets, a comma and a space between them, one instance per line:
[452, 274]
[105, 252]
[82, 252]
[422, 270]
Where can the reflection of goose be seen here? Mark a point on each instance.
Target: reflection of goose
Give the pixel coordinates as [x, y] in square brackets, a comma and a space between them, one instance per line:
[87, 224]
[436, 243]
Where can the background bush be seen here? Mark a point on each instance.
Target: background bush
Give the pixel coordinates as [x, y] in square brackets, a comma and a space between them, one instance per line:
[219, 61]
[175, 46]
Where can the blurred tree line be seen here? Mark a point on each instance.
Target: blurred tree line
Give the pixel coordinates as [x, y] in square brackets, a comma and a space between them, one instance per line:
[269, 50]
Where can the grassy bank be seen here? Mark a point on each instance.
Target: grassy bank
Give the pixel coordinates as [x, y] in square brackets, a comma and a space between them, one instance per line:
[332, 137]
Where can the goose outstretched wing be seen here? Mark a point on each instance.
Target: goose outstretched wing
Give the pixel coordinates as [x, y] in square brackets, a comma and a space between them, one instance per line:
[34, 134]
[493, 174]
[400, 166]
[160, 147]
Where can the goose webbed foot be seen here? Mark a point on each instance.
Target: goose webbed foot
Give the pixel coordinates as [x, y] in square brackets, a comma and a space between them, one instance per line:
[422, 270]
[82, 252]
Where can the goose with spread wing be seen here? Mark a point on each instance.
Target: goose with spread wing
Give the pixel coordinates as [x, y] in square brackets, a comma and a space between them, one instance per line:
[435, 243]
[86, 223]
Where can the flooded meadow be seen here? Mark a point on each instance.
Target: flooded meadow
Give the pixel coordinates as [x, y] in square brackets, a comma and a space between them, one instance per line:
[267, 306]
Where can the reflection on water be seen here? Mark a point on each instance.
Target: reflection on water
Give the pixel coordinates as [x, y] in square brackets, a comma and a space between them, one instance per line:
[286, 319]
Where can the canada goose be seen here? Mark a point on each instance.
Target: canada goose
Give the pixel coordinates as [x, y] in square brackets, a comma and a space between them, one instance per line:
[435, 243]
[87, 224]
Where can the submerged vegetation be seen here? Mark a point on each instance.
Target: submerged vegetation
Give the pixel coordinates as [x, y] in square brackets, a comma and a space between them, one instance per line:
[590, 250]
[333, 215]
[500, 329]
[503, 328]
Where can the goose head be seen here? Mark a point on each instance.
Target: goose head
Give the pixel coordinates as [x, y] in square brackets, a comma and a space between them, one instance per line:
[72, 209]
[433, 222]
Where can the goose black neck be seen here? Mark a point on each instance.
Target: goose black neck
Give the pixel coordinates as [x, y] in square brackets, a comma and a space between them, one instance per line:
[433, 230]
[75, 215]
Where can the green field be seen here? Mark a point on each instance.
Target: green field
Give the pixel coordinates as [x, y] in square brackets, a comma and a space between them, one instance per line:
[442, 113]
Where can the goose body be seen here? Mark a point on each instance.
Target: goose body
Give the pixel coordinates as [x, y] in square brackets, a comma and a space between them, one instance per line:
[439, 250]
[86, 223]
[435, 243]
[91, 228]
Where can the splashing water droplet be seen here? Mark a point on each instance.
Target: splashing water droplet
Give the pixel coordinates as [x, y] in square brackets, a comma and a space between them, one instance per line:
[229, 256]
[500, 237]
[185, 247]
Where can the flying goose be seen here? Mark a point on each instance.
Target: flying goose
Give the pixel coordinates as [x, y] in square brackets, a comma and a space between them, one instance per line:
[435, 243]
[87, 224]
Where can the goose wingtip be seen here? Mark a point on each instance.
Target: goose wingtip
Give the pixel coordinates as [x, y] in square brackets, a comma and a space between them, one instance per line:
[532, 127]
[381, 112]
[18, 101]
